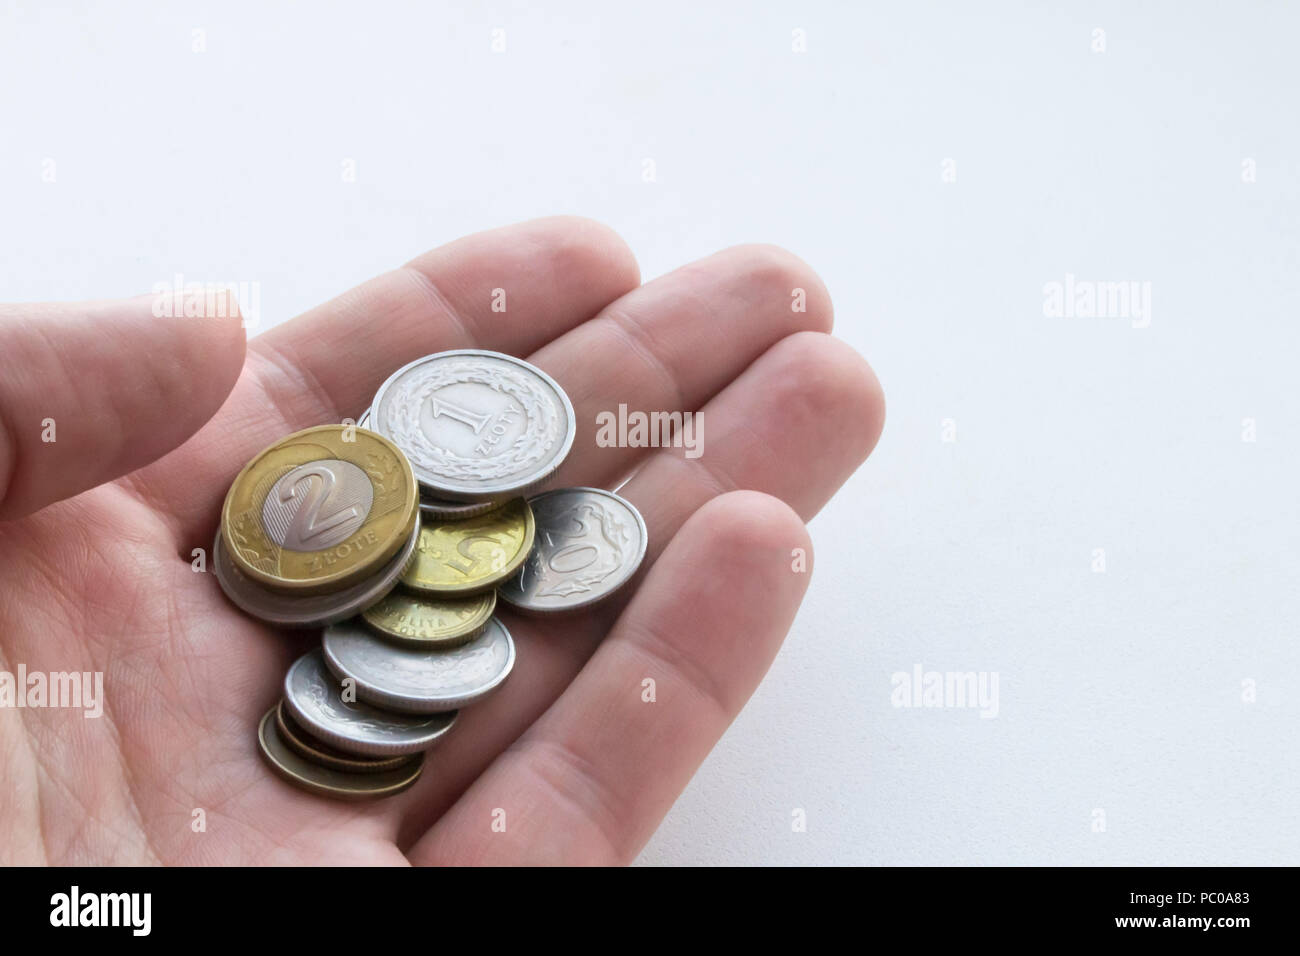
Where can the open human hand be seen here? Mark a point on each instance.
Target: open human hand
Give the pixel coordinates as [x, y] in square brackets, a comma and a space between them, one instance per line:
[152, 418]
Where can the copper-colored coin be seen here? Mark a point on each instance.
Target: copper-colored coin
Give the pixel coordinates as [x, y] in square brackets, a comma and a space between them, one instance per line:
[305, 745]
[326, 780]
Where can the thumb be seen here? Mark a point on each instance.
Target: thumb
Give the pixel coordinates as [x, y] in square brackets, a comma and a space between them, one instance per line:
[93, 390]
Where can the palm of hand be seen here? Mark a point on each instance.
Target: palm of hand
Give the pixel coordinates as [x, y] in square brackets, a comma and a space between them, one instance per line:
[570, 755]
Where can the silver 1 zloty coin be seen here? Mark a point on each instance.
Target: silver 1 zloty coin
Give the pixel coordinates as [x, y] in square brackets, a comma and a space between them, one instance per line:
[475, 425]
[314, 699]
[309, 610]
[588, 543]
[440, 508]
[416, 680]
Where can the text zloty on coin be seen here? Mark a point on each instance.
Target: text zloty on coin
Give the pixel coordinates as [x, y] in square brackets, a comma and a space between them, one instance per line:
[307, 747]
[429, 621]
[325, 780]
[308, 610]
[414, 680]
[320, 509]
[475, 424]
[459, 558]
[313, 697]
[432, 507]
[589, 543]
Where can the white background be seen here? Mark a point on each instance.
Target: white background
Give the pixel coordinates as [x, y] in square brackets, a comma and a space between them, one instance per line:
[1119, 691]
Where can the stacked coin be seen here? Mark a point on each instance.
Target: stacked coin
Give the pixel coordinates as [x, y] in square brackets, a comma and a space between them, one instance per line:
[399, 535]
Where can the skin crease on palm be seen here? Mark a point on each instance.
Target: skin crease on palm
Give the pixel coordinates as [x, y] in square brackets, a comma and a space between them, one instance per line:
[154, 417]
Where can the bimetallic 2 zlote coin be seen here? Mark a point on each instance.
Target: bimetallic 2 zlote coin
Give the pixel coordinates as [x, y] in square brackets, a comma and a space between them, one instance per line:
[319, 509]
[309, 610]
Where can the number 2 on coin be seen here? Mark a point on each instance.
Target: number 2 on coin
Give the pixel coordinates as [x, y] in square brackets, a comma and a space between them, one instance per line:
[307, 521]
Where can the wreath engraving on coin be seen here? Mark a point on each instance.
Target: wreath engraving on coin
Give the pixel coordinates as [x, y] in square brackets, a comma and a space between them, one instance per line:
[315, 511]
[589, 542]
[475, 424]
[416, 402]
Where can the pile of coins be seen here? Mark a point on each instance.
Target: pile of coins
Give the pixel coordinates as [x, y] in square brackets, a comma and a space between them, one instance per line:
[398, 536]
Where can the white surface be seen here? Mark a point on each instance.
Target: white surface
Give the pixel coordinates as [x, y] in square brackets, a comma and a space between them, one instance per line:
[1120, 691]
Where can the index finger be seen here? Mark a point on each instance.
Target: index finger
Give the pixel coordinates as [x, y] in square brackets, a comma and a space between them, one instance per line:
[510, 290]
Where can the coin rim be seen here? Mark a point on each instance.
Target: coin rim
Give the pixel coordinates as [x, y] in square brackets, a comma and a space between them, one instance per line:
[351, 746]
[386, 579]
[268, 723]
[503, 594]
[501, 489]
[406, 704]
[336, 579]
[460, 510]
[293, 736]
[487, 584]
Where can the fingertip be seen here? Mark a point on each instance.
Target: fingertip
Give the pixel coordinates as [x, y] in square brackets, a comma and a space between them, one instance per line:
[740, 522]
[590, 247]
[95, 390]
[771, 271]
[749, 543]
[216, 347]
[574, 251]
[828, 374]
[191, 351]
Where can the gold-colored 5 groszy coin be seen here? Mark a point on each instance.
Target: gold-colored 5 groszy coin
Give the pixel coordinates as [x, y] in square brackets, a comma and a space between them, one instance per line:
[429, 621]
[319, 509]
[459, 558]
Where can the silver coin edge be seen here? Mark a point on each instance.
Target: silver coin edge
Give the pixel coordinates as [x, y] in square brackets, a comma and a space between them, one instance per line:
[504, 595]
[405, 704]
[361, 749]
